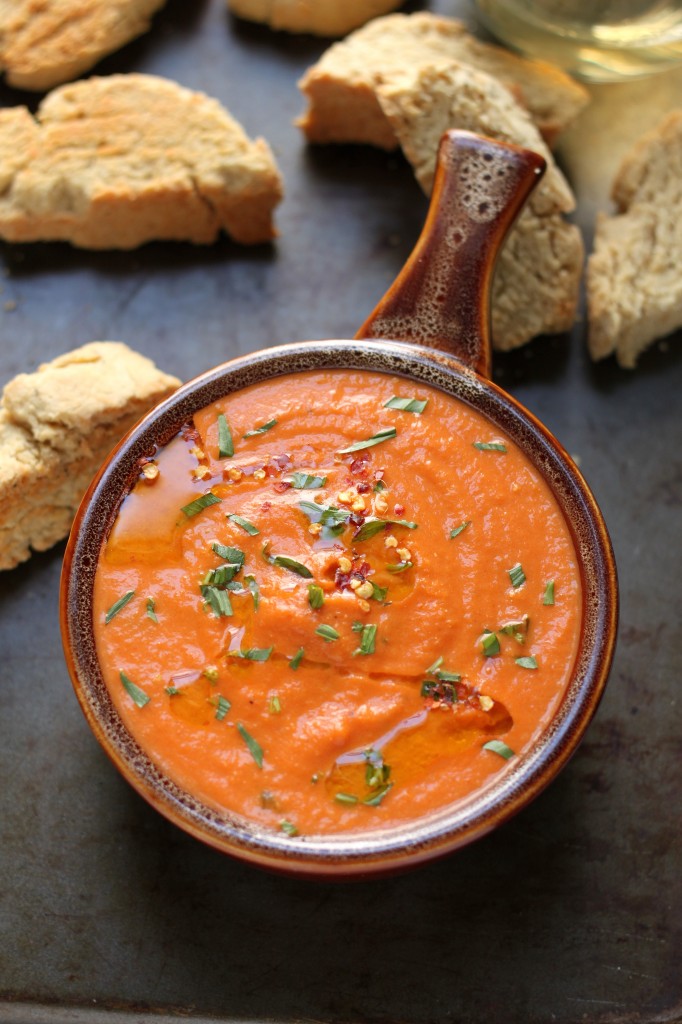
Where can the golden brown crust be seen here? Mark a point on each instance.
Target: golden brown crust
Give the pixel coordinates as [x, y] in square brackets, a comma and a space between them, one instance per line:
[341, 87]
[56, 427]
[112, 163]
[537, 277]
[54, 41]
[634, 287]
[317, 17]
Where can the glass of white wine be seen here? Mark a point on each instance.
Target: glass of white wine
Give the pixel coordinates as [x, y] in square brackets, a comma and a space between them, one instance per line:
[597, 40]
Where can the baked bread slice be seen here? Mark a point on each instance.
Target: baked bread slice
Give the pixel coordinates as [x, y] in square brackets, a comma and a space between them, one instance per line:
[634, 276]
[44, 44]
[111, 163]
[317, 17]
[57, 426]
[537, 278]
[341, 87]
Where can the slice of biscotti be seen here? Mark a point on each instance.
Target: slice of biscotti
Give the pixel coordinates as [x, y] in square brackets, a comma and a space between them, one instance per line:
[57, 425]
[535, 290]
[341, 87]
[634, 276]
[111, 163]
[317, 17]
[43, 44]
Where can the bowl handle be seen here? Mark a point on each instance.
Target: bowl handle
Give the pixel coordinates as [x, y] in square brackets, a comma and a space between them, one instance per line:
[441, 297]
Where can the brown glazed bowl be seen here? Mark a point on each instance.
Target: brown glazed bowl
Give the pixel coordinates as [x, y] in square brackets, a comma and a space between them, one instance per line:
[432, 326]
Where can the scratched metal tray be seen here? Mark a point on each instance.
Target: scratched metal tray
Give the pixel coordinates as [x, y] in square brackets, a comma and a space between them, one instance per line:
[572, 911]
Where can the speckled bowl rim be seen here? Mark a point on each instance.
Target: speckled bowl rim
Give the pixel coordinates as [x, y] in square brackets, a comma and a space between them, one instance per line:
[376, 851]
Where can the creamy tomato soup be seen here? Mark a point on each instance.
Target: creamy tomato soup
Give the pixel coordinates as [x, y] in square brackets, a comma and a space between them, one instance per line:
[337, 600]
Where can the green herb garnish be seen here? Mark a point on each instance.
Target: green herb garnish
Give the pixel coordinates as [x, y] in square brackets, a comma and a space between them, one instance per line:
[548, 597]
[254, 746]
[297, 658]
[210, 673]
[381, 435]
[378, 593]
[260, 430]
[367, 640]
[315, 596]
[254, 653]
[498, 747]
[372, 526]
[216, 599]
[200, 503]
[345, 798]
[490, 446]
[252, 584]
[284, 562]
[288, 827]
[172, 691]
[151, 609]
[117, 605]
[306, 482]
[517, 575]
[379, 486]
[228, 554]
[458, 529]
[245, 524]
[407, 404]
[138, 695]
[222, 706]
[225, 443]
[516, 629]
[331, 518]
[527, 662]
[327, 633]
[440, 691]
[274, 705]
[358, 626]
[490, 644]
[396, 567]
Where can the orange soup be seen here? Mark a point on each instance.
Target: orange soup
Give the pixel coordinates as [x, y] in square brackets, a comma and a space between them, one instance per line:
[337, 600]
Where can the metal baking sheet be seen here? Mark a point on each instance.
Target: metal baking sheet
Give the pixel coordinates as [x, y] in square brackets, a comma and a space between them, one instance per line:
[569, 913]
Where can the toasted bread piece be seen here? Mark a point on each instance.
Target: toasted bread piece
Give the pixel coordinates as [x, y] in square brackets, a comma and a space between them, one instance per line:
[57, 425]
[537, 278]
[634, 282]
[317, 17]
[341, 87]
[111, 163]
[54, 41]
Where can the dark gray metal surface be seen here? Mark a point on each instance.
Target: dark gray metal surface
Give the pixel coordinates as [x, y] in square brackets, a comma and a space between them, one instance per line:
[573, 911]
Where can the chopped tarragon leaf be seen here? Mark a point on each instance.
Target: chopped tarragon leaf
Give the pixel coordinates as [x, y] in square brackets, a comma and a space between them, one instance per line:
[490, 446]
[297, 658]
[372, 526]
[367, 640]
[327, 633]
[396, 567]
[375, 798]
[288, 827]
[254, 746]
[222, 706]
[200, 503]
[358, 626]
[459, 529]
[210, 673]
[527, 662]
[228, 554]
[448, 677]
[225, 443]
[261, 430]
[221, 576]
[284, 562]
[172, 691]
[548, 597]
[252, 584]
[254, 653]
[379, 486]
[245, 524]
[440, 691]
[345, 798]
[307, 482]
[407, 404]
[516, 629]
[274, 705]
[381, 435]
[517, 575]
[378, 593]
[432, 669]
[117, 605]
[217, 599]
[328, 516]
[133, 691]
[151, 609]
[498, 747]
[490, 644]
[315, 596]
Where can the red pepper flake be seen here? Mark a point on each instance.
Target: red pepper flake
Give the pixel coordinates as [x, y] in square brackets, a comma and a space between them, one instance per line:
[363, 487]
[281, 486]
[266, 506]
[399, 509]
[359, 466]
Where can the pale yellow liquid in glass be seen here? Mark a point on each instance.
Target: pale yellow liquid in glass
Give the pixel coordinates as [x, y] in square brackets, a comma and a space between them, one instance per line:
[602, 40]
